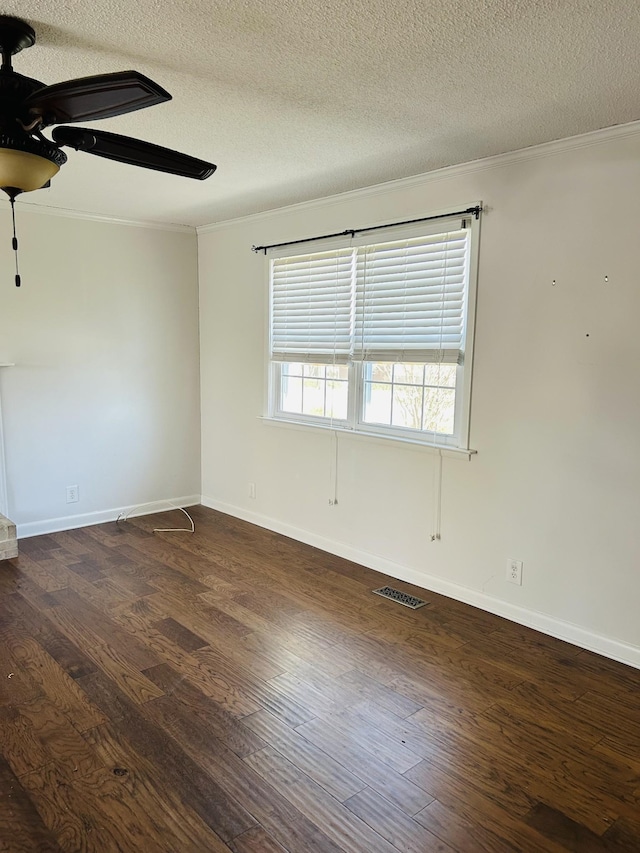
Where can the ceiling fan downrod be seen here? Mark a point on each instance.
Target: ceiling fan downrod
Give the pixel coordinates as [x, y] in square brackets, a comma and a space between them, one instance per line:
[15, 35]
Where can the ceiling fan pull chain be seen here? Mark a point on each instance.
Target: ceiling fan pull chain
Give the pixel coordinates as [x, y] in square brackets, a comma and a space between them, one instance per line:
[14, 242]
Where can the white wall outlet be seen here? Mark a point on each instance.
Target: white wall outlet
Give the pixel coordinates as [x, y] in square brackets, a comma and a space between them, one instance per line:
[514, 571]
[252, 490]
[73, 494]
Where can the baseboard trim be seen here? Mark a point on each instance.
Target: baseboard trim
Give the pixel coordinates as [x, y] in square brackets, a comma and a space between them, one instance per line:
[567, 631]
[70, 522]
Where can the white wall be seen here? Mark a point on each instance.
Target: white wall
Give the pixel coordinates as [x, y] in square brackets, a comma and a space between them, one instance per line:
[555, 411]
[105, 391]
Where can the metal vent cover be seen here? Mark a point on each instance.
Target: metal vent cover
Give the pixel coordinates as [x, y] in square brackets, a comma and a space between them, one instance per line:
[401, 597]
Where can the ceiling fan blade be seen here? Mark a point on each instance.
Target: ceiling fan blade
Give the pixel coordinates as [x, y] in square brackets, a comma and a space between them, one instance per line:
[124, 149]
[97, 97]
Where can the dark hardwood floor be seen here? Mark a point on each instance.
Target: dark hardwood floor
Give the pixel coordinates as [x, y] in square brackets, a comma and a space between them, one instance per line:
[237, 690]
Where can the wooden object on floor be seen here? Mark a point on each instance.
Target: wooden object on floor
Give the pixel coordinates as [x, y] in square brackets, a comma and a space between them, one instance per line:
[236, 690]
[8, 539]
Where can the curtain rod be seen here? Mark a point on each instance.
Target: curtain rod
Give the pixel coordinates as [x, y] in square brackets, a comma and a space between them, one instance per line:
[474, 211]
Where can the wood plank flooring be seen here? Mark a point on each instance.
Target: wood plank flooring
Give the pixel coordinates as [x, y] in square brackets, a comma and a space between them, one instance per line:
[234, 690]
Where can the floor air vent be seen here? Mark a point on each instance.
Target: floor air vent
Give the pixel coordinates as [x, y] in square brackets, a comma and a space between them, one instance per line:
[401, 597]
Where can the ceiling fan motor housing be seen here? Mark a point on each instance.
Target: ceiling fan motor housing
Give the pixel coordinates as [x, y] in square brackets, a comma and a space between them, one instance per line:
[29, 161]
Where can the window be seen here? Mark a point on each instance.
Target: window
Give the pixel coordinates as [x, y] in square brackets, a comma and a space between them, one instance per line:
[375, 337]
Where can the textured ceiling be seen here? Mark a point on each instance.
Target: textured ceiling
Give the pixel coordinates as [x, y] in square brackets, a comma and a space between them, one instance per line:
[295, 100]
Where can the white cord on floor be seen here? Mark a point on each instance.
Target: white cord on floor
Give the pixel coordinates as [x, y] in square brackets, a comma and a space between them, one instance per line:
[124, 516]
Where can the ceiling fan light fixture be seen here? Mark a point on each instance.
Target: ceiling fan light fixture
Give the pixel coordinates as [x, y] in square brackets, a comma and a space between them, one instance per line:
[27, 163]
[25, 172]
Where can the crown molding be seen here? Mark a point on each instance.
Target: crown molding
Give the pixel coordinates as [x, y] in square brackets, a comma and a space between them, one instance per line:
[534, 152]
[44, 210]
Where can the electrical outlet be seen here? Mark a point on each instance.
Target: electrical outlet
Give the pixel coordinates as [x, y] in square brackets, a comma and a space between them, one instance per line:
[514, 571]
[252, 490]
[73, 494]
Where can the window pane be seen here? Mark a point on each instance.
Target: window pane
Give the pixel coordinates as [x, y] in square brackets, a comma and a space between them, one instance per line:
[399, 401]
[407, 406]
[440, 374]
[313, 397]
[380, 372]
[304, 390]
[337, 393]
[315, 370]
[292, 368]
[337, 371]
[291, 395]
[377, 403]
[439, 405]
[413, 374]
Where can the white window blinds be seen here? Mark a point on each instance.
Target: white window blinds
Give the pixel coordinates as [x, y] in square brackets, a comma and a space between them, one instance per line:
[398, 300]
[311, 307]
[410, 299]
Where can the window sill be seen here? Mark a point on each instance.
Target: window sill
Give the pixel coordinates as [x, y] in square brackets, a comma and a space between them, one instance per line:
[408, 443]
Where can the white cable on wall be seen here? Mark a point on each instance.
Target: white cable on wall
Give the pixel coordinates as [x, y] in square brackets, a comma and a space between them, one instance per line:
[437, 499]
[124, 516]
[333, 452]
[333, 470]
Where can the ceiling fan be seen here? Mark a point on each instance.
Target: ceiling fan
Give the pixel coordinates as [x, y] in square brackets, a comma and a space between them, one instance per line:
[28, 159]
